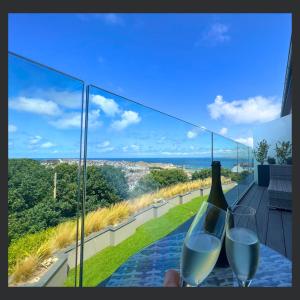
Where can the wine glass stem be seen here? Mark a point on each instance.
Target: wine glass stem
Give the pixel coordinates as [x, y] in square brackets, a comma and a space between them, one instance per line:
[244, 283]
[184, 283]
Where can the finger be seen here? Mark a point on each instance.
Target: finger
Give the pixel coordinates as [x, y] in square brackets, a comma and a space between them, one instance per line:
[172, 279]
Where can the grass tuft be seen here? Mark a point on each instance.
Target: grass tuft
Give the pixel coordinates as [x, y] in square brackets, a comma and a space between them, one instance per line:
[25, 268]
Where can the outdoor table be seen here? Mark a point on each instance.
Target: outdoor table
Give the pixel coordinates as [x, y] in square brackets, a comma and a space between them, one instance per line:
[147, 267]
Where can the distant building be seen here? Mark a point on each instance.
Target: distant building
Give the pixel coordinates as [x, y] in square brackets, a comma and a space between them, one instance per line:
[238, 169]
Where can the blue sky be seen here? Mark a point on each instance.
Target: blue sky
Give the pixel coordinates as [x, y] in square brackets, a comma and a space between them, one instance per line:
[221, 71]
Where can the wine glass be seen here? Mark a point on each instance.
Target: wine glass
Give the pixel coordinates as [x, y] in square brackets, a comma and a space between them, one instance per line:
[242, 244]
[202, 244]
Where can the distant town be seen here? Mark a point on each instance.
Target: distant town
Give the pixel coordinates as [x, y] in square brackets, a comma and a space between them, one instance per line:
[134, 171]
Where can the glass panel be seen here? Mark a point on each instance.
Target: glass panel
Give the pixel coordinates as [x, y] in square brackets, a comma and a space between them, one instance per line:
[251, 164]
[225, 151]
[45, 110]
[276, 131]
[244, 177]
[141, 164]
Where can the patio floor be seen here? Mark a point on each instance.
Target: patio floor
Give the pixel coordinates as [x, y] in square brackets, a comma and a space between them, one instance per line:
[274, 226]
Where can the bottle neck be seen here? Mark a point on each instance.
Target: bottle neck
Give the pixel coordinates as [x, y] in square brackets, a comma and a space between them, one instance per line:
[216, 176]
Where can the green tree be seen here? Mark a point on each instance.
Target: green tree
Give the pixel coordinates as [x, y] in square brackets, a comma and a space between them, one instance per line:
[98, 192]
[67, 189]
[31, 204]
[201, 174]
[43, 215]
[167, 177]
[146, 184]
[116, 178]
[28, 179]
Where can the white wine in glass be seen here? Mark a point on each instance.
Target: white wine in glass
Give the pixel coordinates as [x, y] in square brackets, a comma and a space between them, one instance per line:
[242, 244]
[202, 244]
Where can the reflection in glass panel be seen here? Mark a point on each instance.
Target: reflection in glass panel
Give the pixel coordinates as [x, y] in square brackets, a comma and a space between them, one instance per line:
[225, 151]
[251, 165]
[45, 110]
[244, 177]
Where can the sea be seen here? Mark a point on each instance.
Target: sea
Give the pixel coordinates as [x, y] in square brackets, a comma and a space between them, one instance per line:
[183, 162]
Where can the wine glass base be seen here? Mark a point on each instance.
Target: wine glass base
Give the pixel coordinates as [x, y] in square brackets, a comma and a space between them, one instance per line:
[241, 283]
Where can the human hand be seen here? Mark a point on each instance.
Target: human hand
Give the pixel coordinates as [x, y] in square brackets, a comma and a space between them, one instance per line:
[172, 279]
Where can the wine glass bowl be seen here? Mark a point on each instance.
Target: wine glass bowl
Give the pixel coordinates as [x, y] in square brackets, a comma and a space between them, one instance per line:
[242, 244]
[202, 244]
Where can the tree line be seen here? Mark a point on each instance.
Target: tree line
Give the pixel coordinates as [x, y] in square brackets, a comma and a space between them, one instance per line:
[31, 203]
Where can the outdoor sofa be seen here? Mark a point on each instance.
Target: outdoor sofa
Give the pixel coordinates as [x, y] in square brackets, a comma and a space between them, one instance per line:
[280, 187]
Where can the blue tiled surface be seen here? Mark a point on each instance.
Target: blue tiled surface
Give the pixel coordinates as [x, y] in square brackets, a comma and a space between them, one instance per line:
[147, 267]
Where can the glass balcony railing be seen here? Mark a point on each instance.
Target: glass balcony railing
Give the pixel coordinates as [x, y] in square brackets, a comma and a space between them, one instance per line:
[45, 111]
[82, 157]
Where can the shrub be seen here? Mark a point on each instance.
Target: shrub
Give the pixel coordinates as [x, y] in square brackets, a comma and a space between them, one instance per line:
[24, 269]
[262, 151]
[168, 177]
[201, 174]
[283, 151]
[27, 244]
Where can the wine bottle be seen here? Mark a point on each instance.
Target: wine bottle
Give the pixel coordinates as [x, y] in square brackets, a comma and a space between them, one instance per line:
[217, 198]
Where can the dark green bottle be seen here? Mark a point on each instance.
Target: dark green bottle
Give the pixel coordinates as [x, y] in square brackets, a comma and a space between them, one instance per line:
[217, 198]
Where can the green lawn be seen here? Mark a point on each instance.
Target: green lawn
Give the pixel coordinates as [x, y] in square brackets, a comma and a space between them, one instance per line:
[104, 263]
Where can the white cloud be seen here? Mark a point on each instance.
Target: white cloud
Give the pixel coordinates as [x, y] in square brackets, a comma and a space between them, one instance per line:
[35, 105]
[34, 140]
[104, 144]
[55, 151]
[247, 141]
[256, 109]
[128, 117]
[68, 121]
[217, 34]
[94, 118]
[109, 106]
[109, 18]
[73, 120]
[191, 134]
[69, 99]
[106, 149]
[224, 150]
[12, 128]
[178, 153]
[47, 145]
[223, 131]
[135, 147]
